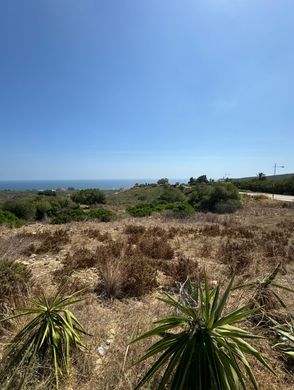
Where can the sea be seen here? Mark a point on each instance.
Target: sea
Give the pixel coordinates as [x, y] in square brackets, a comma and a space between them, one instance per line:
[109, 184]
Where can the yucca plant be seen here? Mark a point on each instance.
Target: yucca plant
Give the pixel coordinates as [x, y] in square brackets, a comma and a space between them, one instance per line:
[48, 337]
[264, 294]
[200, 347]
[285, 334]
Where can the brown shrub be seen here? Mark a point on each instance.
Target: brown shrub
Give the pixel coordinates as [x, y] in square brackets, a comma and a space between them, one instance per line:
[134, 229]
[82, 258]
[290, 253]
[152, 242]
[12, 247]
[15, 286]
[96, 234]
[212, 230]
[206, 248]
[156, 248]
[235, 254]
[112, 249]
[50, 241]
[287, 224]
[239, 232]
[183, 267]
[140, 276]
[126, 277]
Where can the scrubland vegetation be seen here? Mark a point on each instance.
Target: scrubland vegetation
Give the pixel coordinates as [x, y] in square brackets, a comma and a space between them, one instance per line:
[263, 184]
[74, 296]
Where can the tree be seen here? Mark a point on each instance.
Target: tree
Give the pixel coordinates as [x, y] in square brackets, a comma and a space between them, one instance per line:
[163, 180]
[261, 176]
[23, 209]
[89, 196]
[202, 179]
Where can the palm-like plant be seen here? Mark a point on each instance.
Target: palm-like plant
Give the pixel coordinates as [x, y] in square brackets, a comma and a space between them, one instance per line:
[199, 346]
[286, 336]
[49, 336]
[263, 292]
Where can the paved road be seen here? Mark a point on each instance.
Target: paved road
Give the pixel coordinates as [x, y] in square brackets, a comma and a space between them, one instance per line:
[283, 198]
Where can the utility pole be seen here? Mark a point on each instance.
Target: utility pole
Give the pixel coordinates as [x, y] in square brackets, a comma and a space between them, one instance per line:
[275, 171]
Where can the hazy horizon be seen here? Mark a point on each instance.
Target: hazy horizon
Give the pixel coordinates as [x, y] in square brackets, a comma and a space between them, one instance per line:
[145, 89]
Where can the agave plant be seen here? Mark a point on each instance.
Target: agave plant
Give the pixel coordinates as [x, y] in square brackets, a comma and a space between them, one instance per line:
[286, 336]
[200, 347]
[49, 336]
[263, 293]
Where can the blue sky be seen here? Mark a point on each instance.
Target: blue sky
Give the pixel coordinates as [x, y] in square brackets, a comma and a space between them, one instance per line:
[145, 88]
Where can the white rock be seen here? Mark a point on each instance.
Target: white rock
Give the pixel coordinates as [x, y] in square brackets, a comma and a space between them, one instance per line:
[101, 350]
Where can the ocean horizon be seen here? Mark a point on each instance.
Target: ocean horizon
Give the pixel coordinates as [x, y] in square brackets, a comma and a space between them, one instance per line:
[104, 184]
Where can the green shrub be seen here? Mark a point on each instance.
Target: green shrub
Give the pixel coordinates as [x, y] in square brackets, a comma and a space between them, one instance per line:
[89, 196]
[68, 215]
[101, 214]
[59, 204]
[47, 193]
[227, 206]
[9, 220]
[215, 197]
[199, 346]
[23, 209]
[171, 195]
[179, 209]
[43, 207]
[140, 210]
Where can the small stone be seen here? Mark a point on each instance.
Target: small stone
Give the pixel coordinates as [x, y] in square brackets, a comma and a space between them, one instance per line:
[109, 341]
[101, 350]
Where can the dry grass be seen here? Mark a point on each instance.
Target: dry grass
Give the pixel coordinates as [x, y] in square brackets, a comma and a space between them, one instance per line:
[127, 260]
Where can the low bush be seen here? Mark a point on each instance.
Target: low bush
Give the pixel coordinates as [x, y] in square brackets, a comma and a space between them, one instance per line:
[227, 206]
[155, 247]
[171, 195]
[23, 209]
[129, 276]
[140, 276]
[181, 268]
[221, 197]
[68, 215]
[15, 284]
[97, 235]
[89, 196]
[140, 210]
[134, 229]
[102, 214]
[52, 242]
[176, 209]
[43, 208]
[179, 210]
[9, 220]
[134, 232]
[235, 254]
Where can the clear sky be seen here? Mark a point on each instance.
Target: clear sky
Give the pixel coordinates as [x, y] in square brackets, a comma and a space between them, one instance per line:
[145, 88]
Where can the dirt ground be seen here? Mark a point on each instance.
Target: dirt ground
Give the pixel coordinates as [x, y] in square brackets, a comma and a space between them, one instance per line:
[249, 243]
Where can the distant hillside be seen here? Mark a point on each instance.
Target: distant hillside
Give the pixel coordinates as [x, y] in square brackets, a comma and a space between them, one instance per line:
[271, 177]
